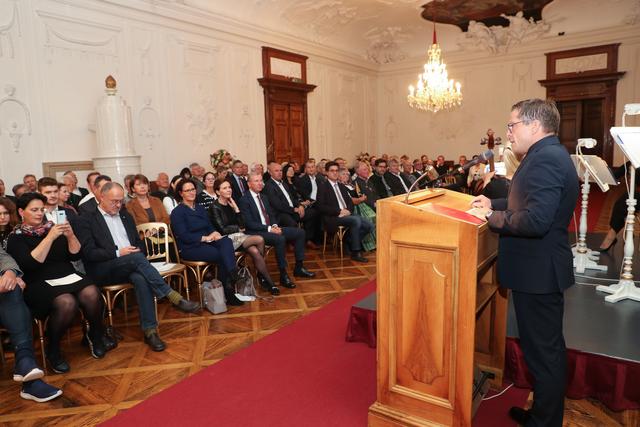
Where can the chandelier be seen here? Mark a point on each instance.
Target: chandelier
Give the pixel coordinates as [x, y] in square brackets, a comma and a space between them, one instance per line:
[434, 90]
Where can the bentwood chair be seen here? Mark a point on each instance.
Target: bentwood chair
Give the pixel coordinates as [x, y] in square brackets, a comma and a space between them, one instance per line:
[156, 237]
[338, 237]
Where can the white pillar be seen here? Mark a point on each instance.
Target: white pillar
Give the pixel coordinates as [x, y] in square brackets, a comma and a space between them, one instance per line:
[116, 155]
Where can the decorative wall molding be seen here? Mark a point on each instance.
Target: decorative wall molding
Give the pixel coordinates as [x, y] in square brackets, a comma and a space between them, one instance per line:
[522, 74]
[201, 121]
[18, 124]
[6, 31]
[385, 44]
[581, 64]
[498, 39]
[149, 123]
[198, 57]
[321, 17]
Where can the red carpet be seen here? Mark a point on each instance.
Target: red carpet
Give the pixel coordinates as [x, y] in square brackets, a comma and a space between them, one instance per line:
[594, 209]
[305, 374]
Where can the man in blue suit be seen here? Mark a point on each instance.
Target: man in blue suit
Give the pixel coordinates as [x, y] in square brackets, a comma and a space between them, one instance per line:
[534, 256]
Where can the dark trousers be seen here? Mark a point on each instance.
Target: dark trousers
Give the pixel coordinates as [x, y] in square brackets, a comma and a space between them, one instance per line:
[310, 222]
[16, 318]
[539, 319]
[220, 252]
[358, 228]
[279, 243]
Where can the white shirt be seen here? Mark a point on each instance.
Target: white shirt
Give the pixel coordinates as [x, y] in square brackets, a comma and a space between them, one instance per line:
[257, 202]
[169, 204]
[314, 187]
[284, 190]
[336, 189]
[87, 198]
[406, 189]
[117, 230]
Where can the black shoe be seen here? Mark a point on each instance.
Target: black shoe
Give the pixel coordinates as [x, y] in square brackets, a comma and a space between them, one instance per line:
[303, 272]
[153, 340]
[357, 256]
[57, 363]
[96, 346]
[231, 297]
[109, 343]
[519, 415]
[286, 281]
[187, 306]
[268, 285]
[603, 250]
[113, 334]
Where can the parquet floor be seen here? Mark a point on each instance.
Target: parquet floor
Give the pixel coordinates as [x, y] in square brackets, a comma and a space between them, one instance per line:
[96, 390]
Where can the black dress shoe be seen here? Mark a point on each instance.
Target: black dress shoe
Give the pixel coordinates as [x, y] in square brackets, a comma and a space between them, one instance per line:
[57, 363]
[112, 333]
[603, 250]
[286, 281]
[96, 346]
[109, 343]
[357, 256]
[268, 285]
[519, 415]
[187, 306]
[154, 341]
[303, 272]
[231, 298]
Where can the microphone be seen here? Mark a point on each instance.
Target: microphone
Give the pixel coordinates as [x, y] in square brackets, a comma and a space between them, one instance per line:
[483, 157]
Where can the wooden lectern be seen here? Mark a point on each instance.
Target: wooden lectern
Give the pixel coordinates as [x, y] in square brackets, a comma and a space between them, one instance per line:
[440, 310]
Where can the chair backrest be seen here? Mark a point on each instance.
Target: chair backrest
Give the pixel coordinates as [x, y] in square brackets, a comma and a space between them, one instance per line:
[155, 236]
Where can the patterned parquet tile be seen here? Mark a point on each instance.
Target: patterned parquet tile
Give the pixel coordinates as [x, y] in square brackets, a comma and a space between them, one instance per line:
[96, 390]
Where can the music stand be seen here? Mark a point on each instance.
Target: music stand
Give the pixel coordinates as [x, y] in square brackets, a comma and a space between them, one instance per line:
[589, 167]
[628, 139]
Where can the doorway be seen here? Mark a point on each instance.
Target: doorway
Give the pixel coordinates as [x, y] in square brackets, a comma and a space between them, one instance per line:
[583, 118]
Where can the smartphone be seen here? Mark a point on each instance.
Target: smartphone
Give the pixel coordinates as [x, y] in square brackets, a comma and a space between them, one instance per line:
[61, 217]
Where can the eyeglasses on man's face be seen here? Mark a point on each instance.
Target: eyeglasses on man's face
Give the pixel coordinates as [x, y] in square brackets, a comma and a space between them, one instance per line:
[510, 126]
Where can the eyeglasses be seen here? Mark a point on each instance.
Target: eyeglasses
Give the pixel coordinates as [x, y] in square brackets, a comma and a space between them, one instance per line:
[511, 125]
[332, 170]
[115, 202]
[188, 190]
[5, 213]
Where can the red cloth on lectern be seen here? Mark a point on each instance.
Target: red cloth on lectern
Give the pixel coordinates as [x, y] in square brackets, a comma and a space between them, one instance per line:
[362, 326]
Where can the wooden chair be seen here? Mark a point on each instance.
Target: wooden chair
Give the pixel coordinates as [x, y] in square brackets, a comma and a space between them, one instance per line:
[338, 237]
[156, 237]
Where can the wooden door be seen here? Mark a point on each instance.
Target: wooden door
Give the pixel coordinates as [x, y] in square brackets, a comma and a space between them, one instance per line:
[297, 147]
[582, 119]
[281, 132]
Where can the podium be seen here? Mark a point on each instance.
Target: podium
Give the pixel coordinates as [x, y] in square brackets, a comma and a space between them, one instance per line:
[439, 308]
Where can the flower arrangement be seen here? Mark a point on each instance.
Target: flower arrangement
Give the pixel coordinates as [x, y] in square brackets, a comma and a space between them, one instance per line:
[221, 157]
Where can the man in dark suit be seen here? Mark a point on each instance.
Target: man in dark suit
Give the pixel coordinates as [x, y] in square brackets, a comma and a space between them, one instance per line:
[288, 207]
[307, 184]
[336, 207]
[91, 201]
[397, 183]
[3, 192]
[362, 183]
[534, 256]
[113, 252]
[238, 183]
[440, 166]
[260, 218]
[378, 180]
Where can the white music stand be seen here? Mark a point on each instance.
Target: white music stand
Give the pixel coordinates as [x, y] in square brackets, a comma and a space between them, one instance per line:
[589, 167]
[628, 139]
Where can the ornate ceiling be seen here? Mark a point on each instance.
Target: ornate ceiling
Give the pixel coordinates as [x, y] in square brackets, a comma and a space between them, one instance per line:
[385, 31]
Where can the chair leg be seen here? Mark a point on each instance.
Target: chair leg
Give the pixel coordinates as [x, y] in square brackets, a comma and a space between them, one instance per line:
[324, 244]
[110, 308]
[185, 283]
[41, 333]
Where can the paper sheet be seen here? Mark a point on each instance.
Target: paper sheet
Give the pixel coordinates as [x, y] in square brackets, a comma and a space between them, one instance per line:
[66, 280]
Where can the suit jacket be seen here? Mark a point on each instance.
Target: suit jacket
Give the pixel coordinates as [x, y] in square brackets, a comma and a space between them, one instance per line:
[98, 245]
[375, 182]
[395, 183]
[139, 213]
[88, 207]
[327, 204]
[367, 189]
[534, 255]
[278, 200]
[303, 185]
[237, 193]
[251, 214]
[222, 222]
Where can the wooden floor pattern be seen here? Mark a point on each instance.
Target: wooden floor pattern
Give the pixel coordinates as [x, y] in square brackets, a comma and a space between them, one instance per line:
[96, 390]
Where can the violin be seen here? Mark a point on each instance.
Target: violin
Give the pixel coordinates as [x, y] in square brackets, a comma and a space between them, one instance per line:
[490, 141]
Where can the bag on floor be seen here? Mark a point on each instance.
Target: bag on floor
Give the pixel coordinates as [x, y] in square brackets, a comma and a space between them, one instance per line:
[245, 288]
[213, 294]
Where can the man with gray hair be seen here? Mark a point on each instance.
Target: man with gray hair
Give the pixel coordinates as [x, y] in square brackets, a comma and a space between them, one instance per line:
[534, 255]
[113, 252]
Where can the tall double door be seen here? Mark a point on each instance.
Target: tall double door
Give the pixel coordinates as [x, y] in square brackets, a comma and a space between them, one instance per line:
[288, 133]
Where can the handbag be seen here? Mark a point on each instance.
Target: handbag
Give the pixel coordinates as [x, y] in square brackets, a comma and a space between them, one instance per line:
[245, 288]
[213, 294]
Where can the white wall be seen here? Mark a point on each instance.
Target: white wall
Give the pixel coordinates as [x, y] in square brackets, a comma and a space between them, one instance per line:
[189, 77]
[490, 85]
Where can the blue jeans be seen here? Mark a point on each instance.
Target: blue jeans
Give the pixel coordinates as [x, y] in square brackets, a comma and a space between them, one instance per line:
[146, 280]
[16, 318]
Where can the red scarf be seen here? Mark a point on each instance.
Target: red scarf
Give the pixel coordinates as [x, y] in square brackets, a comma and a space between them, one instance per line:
[28, 230]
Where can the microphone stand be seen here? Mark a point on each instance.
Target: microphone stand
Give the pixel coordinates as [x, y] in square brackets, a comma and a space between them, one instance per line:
[406, 199]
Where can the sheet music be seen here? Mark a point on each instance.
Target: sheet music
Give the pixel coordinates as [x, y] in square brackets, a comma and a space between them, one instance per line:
[628, 139]
[598, 170]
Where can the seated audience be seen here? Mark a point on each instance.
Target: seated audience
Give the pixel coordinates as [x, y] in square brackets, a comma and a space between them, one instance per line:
[48, 187]
[397, 183]
[113, 253]
[362, 185]
[475, 177]
[8, 220]
[18, 190]
[170, 201]
[44, 252]
[199, 241]
[185, 173]
[90, 183]
[31, 182]
[237, 181]
[307, 184]
[63, 197]
[407, 173]
[208, 195]
[378, 180]
[225, 216]
[360, 208]
[3, 192]
[260, 219]
[162, 186]
[441, 168]
[16, 318]
[93, 199]
[73, 184]
[143, 207]
[336, 208]
[197, 174]
[127, 188]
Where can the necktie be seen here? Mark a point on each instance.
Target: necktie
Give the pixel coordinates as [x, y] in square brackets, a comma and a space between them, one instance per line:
[285, 192]
[241, 185]
[406, 189]
[386, 186]
[263, 210]
[314, 187]
[341, 202]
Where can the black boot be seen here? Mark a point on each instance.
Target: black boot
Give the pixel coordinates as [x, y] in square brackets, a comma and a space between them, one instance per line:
[268, 285]
[230, 295]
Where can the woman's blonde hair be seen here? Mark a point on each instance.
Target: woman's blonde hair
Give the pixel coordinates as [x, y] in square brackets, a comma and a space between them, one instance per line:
[511, 161]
